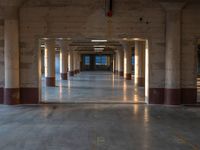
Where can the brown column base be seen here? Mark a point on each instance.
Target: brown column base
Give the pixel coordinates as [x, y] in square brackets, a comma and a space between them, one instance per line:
[76, 71]
[50, 81]
[11, 96]
[128, 76]
[71, 73]
[172, 96]
[29, 95]
[1, 95]
[189, 96]
[156, 96]
[121, 73]
[64, 76]
[140, 81]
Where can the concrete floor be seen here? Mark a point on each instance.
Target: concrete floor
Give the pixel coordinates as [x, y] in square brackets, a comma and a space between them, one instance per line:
[99, 127]
[97, 87]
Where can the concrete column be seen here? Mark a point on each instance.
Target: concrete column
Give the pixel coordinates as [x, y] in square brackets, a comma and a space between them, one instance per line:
[75, 62]
[113, 64]
[173, 53]
[64, 60]
[50, 72]
[116, 62]
[127, 60]
[11, 58]
[42, 61]
[78, 63]
[121, 62]
[140, 63]
[71, 63]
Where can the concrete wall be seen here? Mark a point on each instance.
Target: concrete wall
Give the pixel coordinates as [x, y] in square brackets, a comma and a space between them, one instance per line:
[190, 35]
[82, 19]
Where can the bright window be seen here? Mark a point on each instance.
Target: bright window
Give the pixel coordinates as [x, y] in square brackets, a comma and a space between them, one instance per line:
[133, 60]
[101, 60]
[87, 60]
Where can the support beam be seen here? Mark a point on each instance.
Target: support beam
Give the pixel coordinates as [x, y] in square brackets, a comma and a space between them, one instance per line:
[116, 62]
[71, 63]
[50, 60]
[173, 53]
[140, 63]
[121, 62]
[75, 62]
[11, 57]
[127, 46]
[64, 60]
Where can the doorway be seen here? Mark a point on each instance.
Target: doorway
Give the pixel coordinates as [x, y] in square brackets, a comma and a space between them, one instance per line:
[96, 83]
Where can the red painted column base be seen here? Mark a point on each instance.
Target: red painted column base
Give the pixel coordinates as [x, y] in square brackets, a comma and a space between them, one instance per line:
[11, 96]
[156, 95]
[1, 95]
[64, 76]
[172, 96]
[189, 95]
[121, 73]
[71, 73]
[141, 81]
[29, 95]
[128, 76]
[50, 81]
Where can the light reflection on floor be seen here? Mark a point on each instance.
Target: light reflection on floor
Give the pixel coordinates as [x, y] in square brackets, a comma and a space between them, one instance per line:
[103, 87]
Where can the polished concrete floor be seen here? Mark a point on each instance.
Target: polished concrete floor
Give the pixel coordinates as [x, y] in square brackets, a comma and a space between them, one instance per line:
[93, 87]
[99, 127]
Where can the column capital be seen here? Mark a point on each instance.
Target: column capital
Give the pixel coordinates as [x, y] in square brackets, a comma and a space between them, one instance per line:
[73, 48]
[126, 43]
[173, 6]
[49, 41]
[64, 44]
[10, 9]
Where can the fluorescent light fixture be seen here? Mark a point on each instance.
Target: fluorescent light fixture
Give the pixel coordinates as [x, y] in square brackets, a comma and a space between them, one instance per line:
[99, 40]
[99, 46]
[125, 39]
[98, 49]
[43, 46]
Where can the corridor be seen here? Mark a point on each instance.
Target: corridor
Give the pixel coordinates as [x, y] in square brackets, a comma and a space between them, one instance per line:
[92, 87]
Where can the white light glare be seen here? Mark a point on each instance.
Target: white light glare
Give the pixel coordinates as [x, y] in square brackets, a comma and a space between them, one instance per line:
[99, 40]
[98, 49]
[99, 46]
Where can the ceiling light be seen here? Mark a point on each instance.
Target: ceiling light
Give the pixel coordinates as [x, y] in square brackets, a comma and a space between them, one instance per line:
[99, 40]
[99, 46]
[98, 49]
[125, 39]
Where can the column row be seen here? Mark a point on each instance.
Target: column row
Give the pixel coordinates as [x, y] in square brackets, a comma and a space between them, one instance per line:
[123, 61]
[69, 61]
